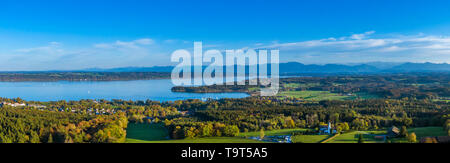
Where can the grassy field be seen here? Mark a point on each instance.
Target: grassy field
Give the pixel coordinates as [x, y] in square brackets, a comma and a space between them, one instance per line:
[352, 137]
[324, 95]
[309, 138]
[428, 131]
[446, 99]
[139, 133]
[422, 132]
[366, 96]
[314, 95]
[272, 133]
[253, 89]
[300, 85]
[209, 140]
[156, 133]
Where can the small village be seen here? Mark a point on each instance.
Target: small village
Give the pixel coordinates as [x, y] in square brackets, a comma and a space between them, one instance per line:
[90, 111]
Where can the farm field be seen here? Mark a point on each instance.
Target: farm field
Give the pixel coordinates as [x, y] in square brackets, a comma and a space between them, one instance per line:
[447, 100]
[309, 138]
[352, 137]
[324, 95]
[273, 132]
[139, 133]
[314, 95]
[422, 132]
[428, 131]
[156, 133]
[208, 140]
[364, 96]
[300, 85]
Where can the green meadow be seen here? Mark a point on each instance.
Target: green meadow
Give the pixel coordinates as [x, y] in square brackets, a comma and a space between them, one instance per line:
[309, 138]
[324, 95]
[141, 133]
[300, 85]
[422, 132]
[272, 132]
[156, 133]
[314, 95]
[428, 131]
[207, 140]
[352, 137]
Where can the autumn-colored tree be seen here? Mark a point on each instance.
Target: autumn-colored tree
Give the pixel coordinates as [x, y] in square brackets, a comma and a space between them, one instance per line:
[430, 140]
[412, 138]
[50, 138]
[34, 137]
[339, 129]
[403, 132]
[190, 133]
[261, 133]
[231, 130]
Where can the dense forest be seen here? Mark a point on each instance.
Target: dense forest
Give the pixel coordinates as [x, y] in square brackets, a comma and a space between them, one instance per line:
[36, 126]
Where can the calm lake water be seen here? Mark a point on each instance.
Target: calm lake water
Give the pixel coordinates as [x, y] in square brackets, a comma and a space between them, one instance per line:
[157, 90]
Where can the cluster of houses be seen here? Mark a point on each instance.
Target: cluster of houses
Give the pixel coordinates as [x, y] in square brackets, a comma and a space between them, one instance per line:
[42, 107]
[275, 139]
[90, 110]
[184, 113]
[21, 105]
[13, 104]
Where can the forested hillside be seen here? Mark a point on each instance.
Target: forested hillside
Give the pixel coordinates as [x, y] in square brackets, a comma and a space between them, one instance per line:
[35, 126]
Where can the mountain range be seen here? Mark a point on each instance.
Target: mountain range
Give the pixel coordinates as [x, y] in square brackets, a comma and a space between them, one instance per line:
[299, 68]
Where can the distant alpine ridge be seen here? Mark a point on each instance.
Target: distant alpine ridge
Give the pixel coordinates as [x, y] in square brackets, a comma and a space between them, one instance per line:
[299, 68]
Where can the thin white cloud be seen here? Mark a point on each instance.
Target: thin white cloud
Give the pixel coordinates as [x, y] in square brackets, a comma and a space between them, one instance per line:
[367, 47]
[361, 36]
[145, 41]
[103, 46]
[123, 44]
[391, 49]
[51, 48]
[53, 56]
[170, 41]
[355, 48]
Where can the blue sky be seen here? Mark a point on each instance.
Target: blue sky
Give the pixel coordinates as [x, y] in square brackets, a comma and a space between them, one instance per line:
[77, 34]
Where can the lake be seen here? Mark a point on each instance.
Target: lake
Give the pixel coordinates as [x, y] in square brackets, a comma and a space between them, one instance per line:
[156, 90]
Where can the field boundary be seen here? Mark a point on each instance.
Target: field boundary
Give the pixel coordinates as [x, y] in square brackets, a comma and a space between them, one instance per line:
[330, 138]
